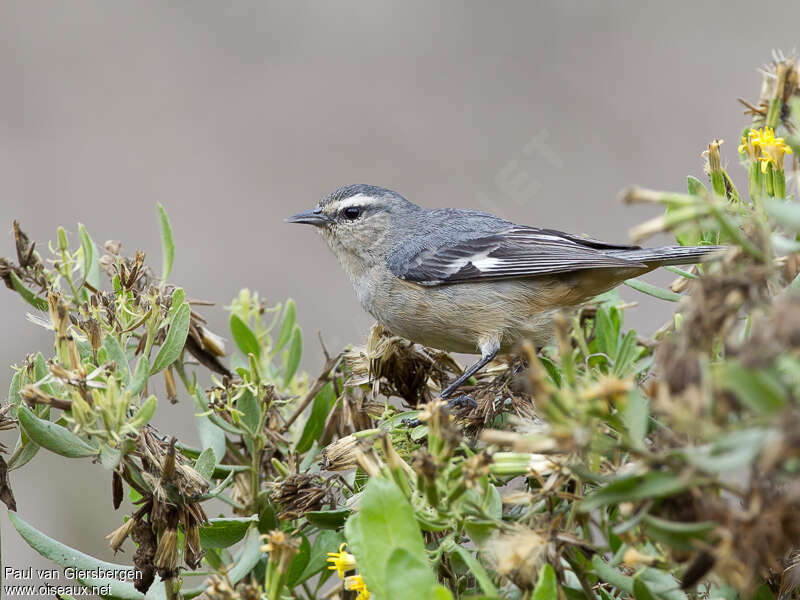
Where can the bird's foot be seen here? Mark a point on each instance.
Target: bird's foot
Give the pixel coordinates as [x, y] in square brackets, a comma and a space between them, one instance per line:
[461, 401]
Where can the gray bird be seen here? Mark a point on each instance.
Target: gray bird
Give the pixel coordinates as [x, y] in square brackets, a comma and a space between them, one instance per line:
[467, 281]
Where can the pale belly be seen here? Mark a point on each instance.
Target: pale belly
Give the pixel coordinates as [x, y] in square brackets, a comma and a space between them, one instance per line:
[463, 317]
[467, 317]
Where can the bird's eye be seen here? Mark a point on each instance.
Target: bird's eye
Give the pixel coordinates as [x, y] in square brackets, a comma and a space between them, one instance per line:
[351, 213]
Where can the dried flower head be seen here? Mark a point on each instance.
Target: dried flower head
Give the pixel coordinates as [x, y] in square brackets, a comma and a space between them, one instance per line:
[299, 494]
[281, 549]
[518, 554]
[340, 455]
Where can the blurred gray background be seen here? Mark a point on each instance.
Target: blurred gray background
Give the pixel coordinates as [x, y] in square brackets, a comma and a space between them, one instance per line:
[237, 114]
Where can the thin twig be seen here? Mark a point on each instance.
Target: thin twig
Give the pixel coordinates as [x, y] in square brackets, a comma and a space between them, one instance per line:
[324, 378]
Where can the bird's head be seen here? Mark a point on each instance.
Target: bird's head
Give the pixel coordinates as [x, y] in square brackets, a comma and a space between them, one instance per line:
[359, 222]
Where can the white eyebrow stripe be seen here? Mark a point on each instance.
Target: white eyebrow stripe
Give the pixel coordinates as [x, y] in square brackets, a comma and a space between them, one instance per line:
[357, 200]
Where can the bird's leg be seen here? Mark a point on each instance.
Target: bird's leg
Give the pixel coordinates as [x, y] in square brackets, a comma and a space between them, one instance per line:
[460, 401]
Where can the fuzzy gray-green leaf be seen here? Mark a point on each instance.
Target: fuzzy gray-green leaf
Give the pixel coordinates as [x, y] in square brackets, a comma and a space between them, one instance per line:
[176, 338]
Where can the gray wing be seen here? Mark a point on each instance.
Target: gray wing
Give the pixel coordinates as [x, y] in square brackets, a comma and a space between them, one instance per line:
[511, 253]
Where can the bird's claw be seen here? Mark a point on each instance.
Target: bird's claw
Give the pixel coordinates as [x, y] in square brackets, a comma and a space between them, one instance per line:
[462, 401]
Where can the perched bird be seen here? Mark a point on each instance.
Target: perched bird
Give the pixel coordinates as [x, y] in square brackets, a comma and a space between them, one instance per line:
[467, 281]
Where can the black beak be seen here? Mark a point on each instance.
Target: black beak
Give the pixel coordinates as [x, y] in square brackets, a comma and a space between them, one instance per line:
[311, 217]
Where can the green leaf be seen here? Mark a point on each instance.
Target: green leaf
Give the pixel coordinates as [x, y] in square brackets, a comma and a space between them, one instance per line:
[328, 519]
[611, 575]
[267, 519]
[117, 354]
[323, 402]
[287, 326]
[140, 376]
[42, 371]
[384, 525]
[244, 337]
[109, 457]
[636, 415]
[785, 213]
[759, 390]
[675, 534]
[695, 186]
[552, 370]
[299, 563]
[731, 452]
[630, 488]
[653, 290]
[606, 333]
[480, 574]
[144, 413]
[248, 557]
[29, 450]
[640, 589]
[547, 586]
[324, 542]
[167, 244]
[292, 358]
[408, 576]
[662, 585]
[176, 339]
[211, 436]
[206, 463]
[178, 296]
[54, 437]
[64, 556]
[26, 293]
[225, 532]
[248, 405]
[91, 266]
[626, 355]
[13, 389]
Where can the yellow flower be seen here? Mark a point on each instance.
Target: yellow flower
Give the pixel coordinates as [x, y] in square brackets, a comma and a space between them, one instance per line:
[772, 149]
[749, 145]
[355, 583]
[341, 561]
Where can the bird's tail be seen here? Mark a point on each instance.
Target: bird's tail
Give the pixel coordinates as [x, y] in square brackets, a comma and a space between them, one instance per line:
[668, 255]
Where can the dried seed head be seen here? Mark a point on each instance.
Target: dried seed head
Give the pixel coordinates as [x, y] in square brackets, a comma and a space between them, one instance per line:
[94, 332]
[518, 554]
[166, 558]
[368, 461]
[192, 550]
[33, 395]
[340, 455]
[476, 467]
[424, 465]
[212, 342]
[169, 384]
[218, 588]
[299, 494]
[113, 246]
[712, 156]
[74, 354]
[119, 535]
[59, 314]
[403, 367]
[248, 591]
[633, 558]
